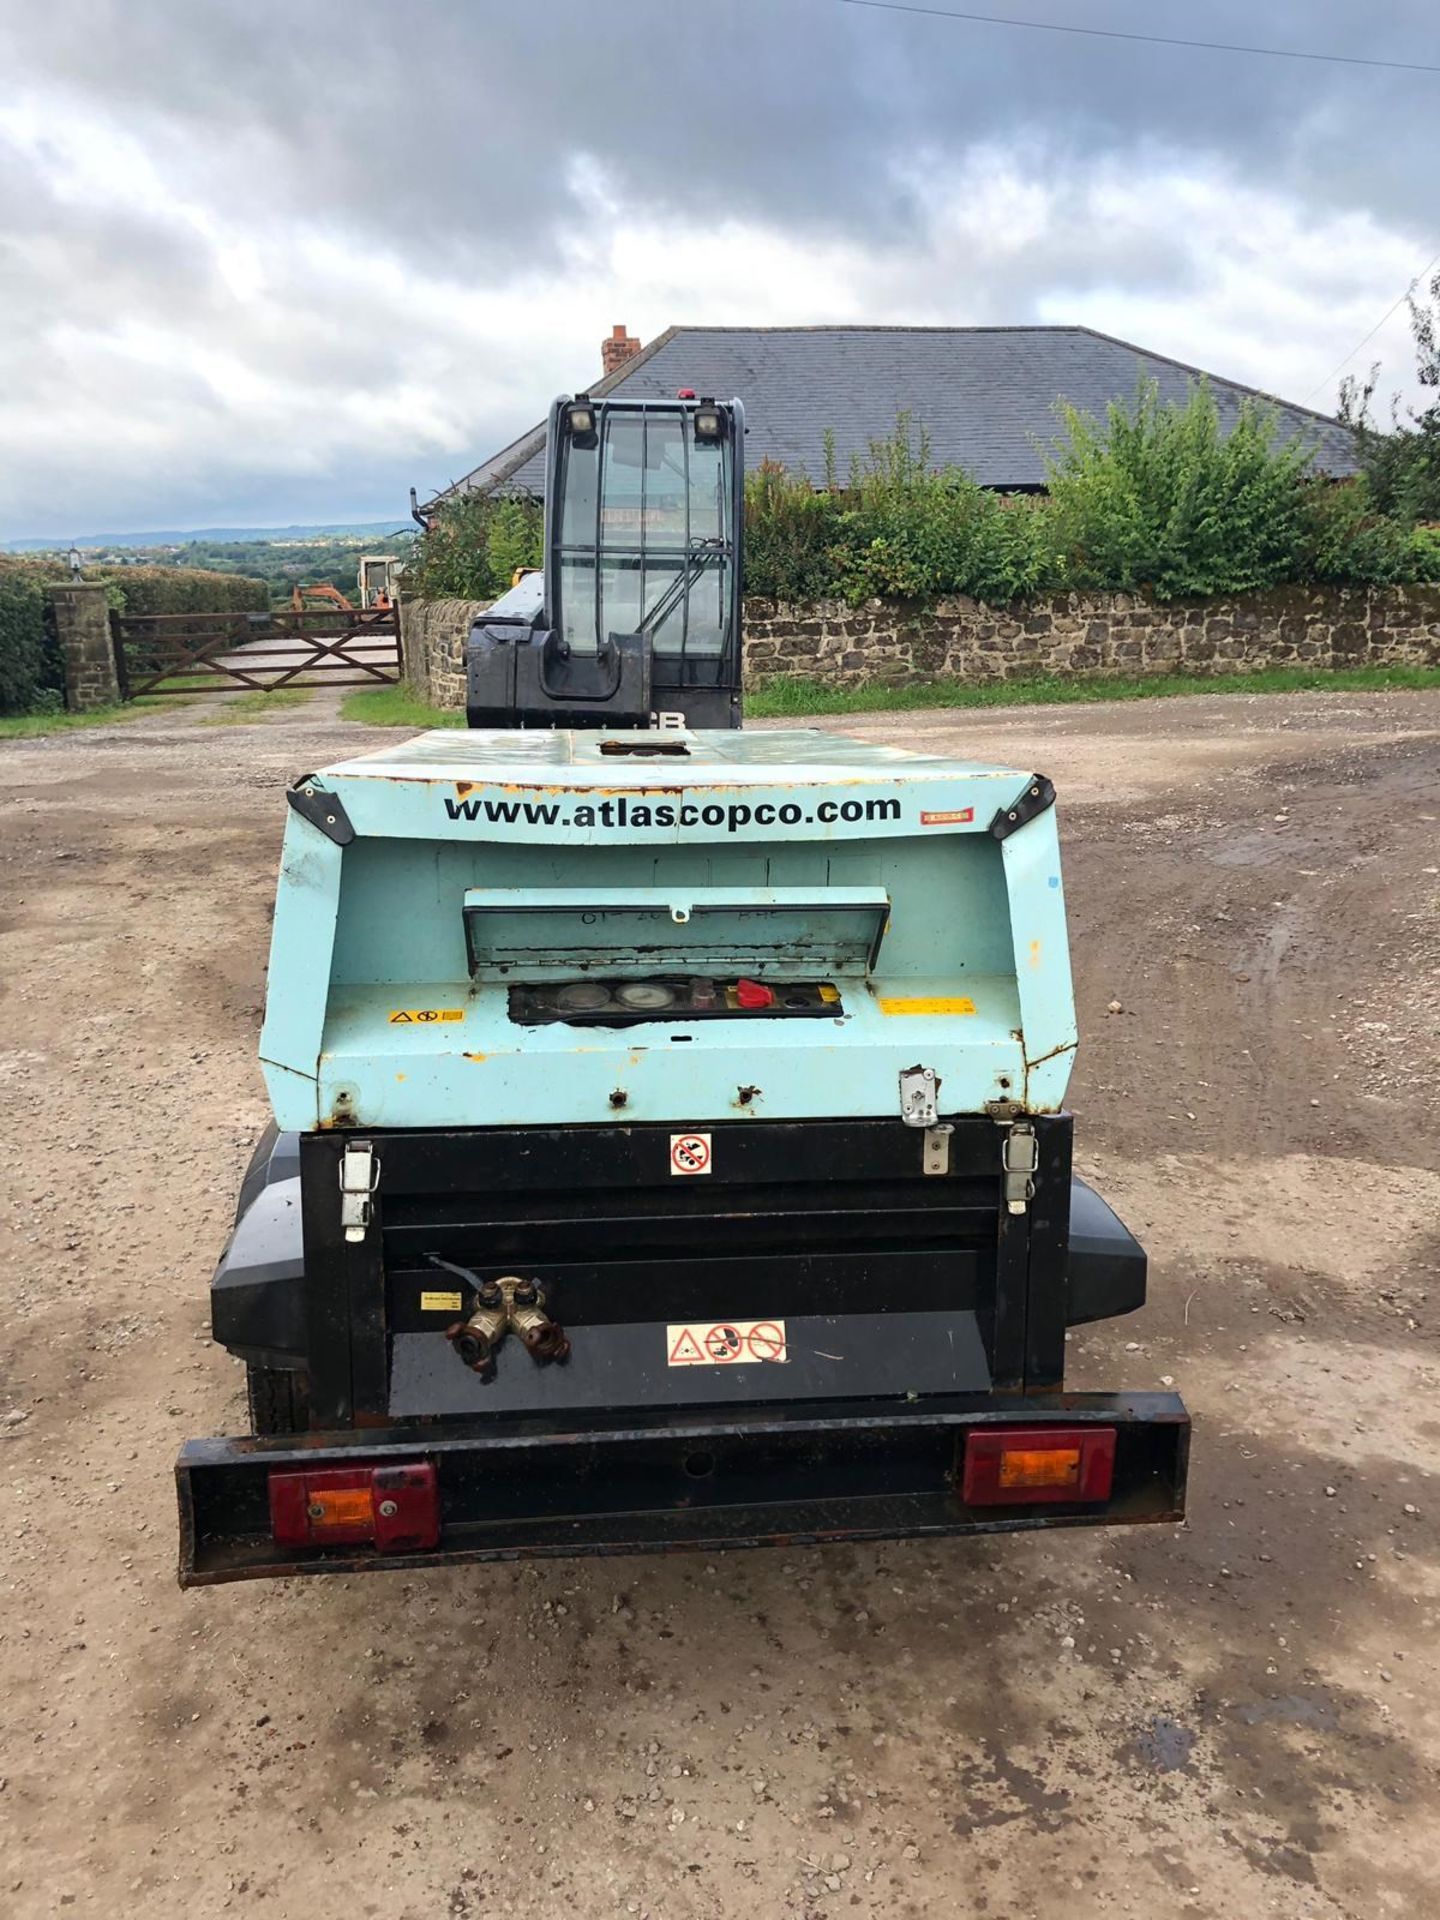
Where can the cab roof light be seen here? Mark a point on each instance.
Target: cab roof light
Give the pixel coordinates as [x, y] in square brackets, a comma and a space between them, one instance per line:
[580, 420]
[708, 422]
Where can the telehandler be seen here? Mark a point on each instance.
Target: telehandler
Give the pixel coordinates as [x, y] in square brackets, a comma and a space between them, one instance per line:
[669, 1145]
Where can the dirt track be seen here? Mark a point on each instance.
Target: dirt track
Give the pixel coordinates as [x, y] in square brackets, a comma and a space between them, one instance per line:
[1237, 1718]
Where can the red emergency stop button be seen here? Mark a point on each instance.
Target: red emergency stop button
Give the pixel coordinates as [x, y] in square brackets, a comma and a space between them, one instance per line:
[754, 994]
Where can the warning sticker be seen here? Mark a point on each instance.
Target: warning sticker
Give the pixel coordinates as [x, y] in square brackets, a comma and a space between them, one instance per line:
[725, 1343]
[956, 817]
[440, 1303]
[423, 1016]
[689, 1153]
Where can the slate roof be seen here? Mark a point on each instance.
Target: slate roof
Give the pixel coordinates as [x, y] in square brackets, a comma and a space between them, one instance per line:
[986, 395]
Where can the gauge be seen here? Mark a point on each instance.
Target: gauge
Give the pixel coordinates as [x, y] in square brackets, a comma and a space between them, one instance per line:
[645, 996]
[584, 996]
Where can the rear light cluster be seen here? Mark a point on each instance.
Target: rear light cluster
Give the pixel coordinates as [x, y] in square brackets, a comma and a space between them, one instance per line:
[1025, 1466]
[395, 1509]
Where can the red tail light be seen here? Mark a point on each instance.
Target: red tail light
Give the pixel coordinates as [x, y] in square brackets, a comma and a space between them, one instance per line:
[1023, 1466]
[393, 1508]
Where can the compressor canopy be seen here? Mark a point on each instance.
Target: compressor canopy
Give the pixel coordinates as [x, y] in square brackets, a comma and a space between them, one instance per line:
[572, 928]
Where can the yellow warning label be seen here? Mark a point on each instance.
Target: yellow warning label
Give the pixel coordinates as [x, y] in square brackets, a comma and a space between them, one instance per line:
[725, 1343]
[423, 1016]
[960, 1005]
[440, 1303]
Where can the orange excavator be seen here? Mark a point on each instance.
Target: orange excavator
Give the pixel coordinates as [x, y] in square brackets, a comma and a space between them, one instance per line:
[303, 598]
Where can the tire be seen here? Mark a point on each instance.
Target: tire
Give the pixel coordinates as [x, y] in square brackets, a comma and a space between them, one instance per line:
[279, 1400]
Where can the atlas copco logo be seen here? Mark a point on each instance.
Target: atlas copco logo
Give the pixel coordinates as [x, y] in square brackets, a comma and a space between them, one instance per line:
[732, 816]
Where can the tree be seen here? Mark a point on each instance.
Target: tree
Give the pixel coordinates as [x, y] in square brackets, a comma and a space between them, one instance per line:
[1403, 462]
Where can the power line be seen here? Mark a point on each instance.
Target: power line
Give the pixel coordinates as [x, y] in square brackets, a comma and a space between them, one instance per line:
[1389, 311]
[1146, 39]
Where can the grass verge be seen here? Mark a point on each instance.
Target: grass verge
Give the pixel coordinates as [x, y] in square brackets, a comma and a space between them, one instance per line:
[30, 726]
[792, 695]
[396, 707]
[241, 707]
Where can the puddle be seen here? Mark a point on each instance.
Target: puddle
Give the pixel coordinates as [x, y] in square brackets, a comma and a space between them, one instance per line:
[1164, 1744]
[1290, 1710]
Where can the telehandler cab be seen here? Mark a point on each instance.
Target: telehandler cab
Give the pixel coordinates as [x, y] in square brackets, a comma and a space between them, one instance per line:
[669, 1146]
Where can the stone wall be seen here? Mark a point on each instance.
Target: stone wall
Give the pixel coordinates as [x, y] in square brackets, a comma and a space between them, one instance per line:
[1068, 634]
[432, 638]
[1098, 633]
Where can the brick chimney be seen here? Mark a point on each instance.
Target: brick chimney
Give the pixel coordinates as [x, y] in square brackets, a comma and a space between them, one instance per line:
[619, 348]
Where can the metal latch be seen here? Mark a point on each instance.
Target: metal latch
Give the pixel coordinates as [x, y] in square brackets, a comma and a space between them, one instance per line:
[919, 1095]
[359, 1177]
[935, 1157]
[1019, 1156]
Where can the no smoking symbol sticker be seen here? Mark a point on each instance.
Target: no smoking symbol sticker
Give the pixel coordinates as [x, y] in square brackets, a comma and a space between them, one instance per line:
[689, 1153]
[766, 1340]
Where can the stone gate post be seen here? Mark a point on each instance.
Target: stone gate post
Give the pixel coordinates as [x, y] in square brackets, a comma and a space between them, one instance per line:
[82, 627]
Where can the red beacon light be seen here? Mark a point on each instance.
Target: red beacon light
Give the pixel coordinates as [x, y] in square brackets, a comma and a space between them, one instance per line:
[685, 393]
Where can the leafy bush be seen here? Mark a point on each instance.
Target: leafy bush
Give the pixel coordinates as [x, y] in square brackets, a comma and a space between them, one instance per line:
[1403, 465]
[1344, 540]
[791, 533]
[29, 667]
[473, 545]
[916, 534]
[897, 528]
[1160, 499]
[1157, 499]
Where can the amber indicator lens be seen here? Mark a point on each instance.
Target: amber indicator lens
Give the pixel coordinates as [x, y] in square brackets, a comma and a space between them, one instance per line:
[1041, 1467]
[340, 1507]
[1024, 1466]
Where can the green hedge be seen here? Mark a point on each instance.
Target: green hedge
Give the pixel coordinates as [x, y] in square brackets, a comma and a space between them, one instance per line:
[31, 677]
[1155, 499]
[184, 590]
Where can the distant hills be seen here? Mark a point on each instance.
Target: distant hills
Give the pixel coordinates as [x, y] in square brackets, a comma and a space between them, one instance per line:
[184, 536]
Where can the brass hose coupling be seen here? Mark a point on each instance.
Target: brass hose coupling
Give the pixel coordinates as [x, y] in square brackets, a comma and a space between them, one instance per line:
[507, 1305]
[543, 1338]
[476, 1339]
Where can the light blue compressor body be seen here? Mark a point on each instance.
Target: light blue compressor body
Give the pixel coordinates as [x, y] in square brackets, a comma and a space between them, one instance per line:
[436, 874]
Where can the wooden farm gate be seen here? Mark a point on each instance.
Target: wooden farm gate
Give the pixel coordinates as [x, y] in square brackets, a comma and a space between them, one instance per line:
[190, 653]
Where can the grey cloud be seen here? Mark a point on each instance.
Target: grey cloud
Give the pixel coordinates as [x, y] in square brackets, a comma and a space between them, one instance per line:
[441, 140]
[447, 128]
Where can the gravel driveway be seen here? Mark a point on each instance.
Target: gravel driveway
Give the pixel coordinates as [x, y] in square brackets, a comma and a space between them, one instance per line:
[1238, 1717]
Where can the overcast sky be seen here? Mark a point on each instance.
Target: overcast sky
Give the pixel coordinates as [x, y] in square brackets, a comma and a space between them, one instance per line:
[274, 260]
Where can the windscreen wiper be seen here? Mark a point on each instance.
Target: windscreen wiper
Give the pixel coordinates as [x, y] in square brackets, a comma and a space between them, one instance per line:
[706, 553]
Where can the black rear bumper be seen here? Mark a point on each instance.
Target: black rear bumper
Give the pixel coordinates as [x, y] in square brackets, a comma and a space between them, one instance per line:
[736, 1476]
